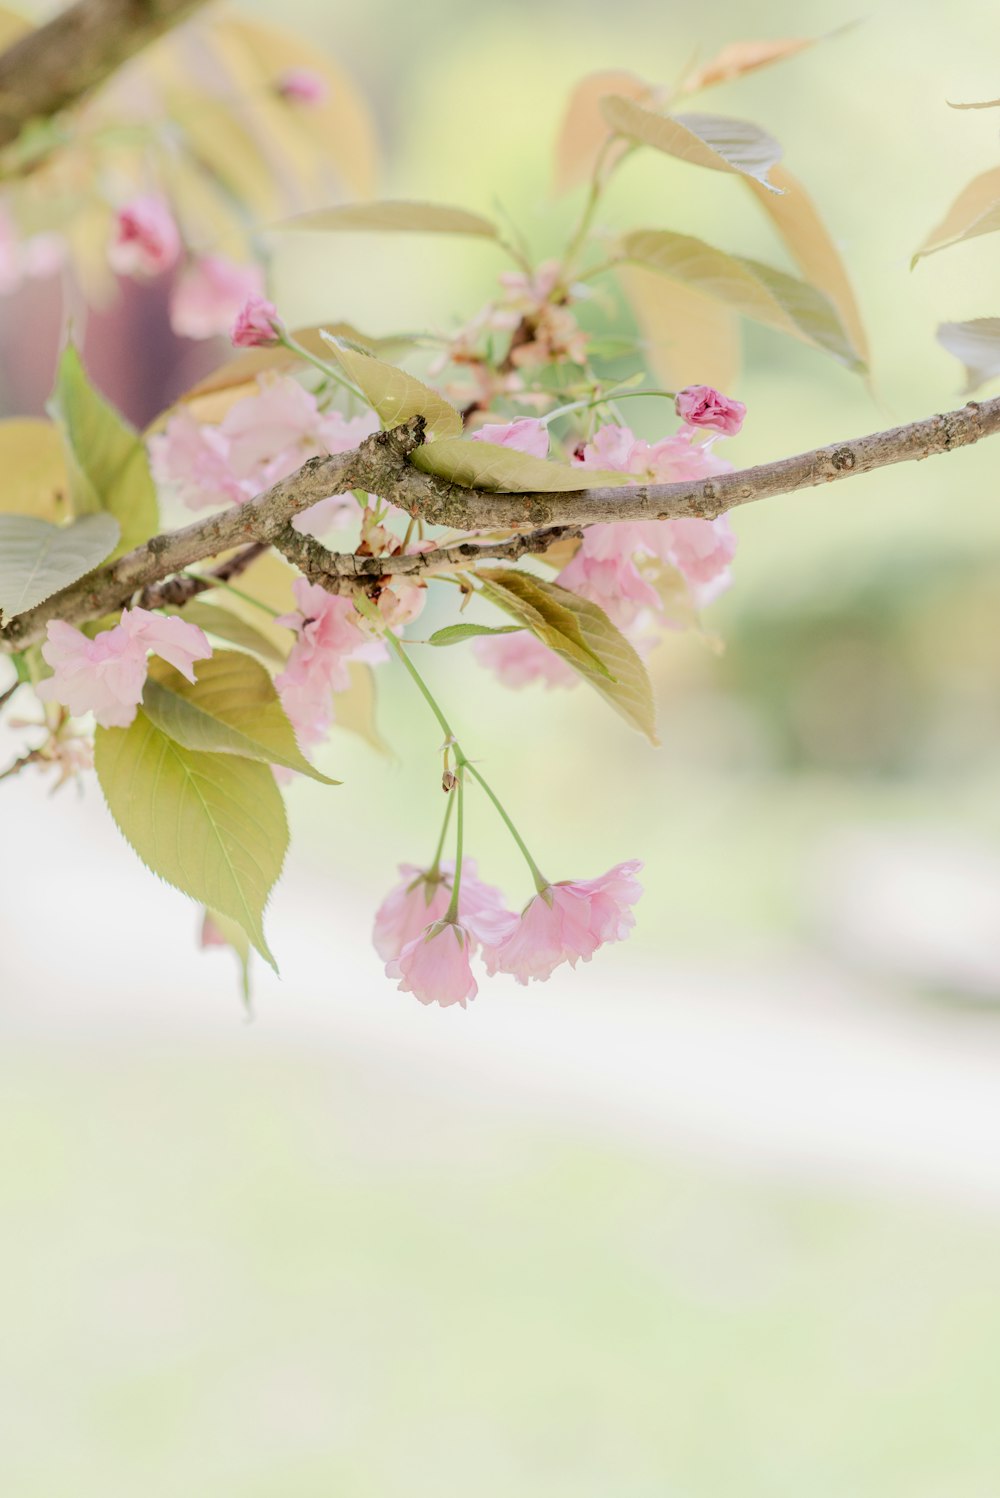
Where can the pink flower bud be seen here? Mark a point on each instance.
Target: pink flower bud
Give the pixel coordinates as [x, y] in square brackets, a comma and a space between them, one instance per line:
[701, 406]
[146, 240]
[256, 324]
[302, 86]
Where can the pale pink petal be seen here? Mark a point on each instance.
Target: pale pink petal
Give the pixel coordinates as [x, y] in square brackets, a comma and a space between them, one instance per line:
[526, 435]
[567, 922]
[704, 406]
[434, 966]
[146, 240]
[519, 659]
[256, 324]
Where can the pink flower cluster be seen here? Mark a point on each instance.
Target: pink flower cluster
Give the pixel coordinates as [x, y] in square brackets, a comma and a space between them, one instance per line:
[619, 564]
[106, 675]
[262, 439]
[432, 957]
[329, 635]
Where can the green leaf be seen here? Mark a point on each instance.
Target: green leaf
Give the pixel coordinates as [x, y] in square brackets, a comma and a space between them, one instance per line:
[37, 559]
[231, 708]
[975, 211]
[235, 937]
[454, 634]
[34, 469]
[485, 465]
[216, 619]
[108, 467]
[710, 140]
[977, 344]
[756, 291]
[394, 217]
[212, 825]
[395, 396]
[583, 635]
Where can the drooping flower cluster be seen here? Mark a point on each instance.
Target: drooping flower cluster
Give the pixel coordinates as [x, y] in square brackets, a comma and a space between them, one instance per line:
[106, 675]
[431, 956]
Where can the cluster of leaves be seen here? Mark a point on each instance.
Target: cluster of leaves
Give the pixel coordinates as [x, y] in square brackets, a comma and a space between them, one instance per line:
[976, 211]
[191, 783]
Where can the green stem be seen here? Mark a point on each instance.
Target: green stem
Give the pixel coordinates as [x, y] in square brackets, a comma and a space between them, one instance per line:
[462, 763]
[292, 344]
[541, 882]
[602, 400]
[451, 914]
[435, 869]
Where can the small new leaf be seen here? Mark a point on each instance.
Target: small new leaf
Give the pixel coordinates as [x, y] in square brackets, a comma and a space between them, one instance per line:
[454, 634]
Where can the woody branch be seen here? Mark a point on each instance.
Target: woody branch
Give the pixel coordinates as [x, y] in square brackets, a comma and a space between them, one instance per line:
[382, 465]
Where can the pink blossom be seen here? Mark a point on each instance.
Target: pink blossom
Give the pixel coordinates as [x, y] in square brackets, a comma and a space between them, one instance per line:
[519, 659]
[196, 460]
[328, 636]
[703, 406]
[435, 966]
[418, 901]
[402, 602]
[303, 86]
[146, 239]
[210, 294]
[565, 922]
[525, 435]
[106, 675]
[701, 549]
[256, 324]
[10, 259]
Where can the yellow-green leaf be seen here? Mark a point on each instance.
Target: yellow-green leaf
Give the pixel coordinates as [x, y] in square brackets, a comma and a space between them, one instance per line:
[737, 58]
[756, 291]
[794, 215]
[977, 344]
[709, 140]
[354, 709]
[230, 708]
[33, 478]
[688, 338]
[394, 217]
[37, 559]
[218, 929]
[106, 458]
[485, 465]
[582, 635]
[584, 131]
[975, 211]
[394, 395]
[212, 825]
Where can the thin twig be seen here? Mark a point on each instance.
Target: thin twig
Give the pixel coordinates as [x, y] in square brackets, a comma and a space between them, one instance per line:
[175, 592]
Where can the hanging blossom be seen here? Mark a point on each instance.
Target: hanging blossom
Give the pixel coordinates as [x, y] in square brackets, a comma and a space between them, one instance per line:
[256, 324]
[263, 438]
[210, 294]
[436, 965]
[628, 568]
[106, 675]
[421, 899]
[566, 922]
[38, 256]
[146, 240]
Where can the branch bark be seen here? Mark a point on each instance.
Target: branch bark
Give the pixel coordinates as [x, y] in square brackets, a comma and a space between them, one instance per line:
[57, 64]
[381, 466]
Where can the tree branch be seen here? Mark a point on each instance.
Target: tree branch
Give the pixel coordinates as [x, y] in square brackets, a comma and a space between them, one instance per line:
[55, 65]
[381, 466]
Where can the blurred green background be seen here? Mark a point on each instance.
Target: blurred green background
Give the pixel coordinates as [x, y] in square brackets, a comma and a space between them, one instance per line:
[719, 1215]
